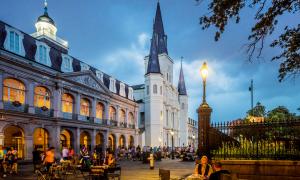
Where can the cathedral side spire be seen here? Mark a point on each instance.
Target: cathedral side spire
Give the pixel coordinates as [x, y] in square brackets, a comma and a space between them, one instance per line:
[153, 63]
[158, 29]
[181, 82]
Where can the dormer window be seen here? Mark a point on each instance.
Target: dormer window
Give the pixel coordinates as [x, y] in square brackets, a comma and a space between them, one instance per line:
[84, 67]
[42, 53]
[99, 75]
[130, 93]
[122, 90]
[14, 41]
[66, 65]
[112, 85]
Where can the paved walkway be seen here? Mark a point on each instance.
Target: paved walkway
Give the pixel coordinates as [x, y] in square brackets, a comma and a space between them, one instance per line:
[131, 170]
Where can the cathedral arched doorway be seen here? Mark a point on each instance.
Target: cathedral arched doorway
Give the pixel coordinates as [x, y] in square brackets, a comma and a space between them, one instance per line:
[14, 138]
[122, 141]
[85, 140]
[41, 139]
[66, 139]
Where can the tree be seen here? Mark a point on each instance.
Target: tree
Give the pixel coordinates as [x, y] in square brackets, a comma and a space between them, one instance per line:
[280, 113]
[258, 111]
[266, 17]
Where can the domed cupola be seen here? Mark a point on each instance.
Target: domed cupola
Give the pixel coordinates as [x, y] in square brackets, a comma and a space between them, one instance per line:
[45, 24]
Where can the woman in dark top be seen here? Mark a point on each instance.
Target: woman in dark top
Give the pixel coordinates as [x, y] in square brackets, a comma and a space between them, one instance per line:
[204, 169]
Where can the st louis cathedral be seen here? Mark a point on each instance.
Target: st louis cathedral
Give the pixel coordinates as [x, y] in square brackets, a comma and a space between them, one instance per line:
[163, 107]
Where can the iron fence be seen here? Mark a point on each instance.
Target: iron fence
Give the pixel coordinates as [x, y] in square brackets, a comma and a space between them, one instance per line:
[255, 140]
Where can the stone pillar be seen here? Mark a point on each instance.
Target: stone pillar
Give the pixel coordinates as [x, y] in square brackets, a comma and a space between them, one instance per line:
[117, 115]
[107, 105]
[30, 96]
[1, 92]
[204, 112]
[93, 139]
[57, 102]
[77, 140]
[55, 140]
[77, 105]
[126, 117]
[117, 135]
[105, 138]
[93, 114]
[28, 147]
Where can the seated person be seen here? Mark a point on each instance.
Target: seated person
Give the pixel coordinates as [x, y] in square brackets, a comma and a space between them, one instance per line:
[110, 160]
[203, 169]
[218, 171]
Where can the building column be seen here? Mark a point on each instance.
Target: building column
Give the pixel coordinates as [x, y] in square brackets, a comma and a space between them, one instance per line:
[30, 96]
[77, 141]
[105, 138]
[1, 93]
[117, 115]
[107, 105]
[117, 135]
[55, 137]
[77, 105]
[126, 117]
[93, 139]
[57, 103]
[28, 147]
[94, 104]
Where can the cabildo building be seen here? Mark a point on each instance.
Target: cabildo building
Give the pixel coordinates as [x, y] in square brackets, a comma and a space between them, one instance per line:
[49, 98]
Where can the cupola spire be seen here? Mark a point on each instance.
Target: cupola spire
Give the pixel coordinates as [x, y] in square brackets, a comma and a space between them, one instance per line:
[181, 82]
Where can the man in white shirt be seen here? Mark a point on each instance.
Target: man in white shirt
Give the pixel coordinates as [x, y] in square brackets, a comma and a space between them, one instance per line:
[65, 153]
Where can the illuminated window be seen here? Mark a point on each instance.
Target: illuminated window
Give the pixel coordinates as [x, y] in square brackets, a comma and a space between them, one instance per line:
[67, 103]
[131, 118]
[112, 113]
[41, 97]
[122, 115]
[99, 111]
[84, 107]
[13, 90]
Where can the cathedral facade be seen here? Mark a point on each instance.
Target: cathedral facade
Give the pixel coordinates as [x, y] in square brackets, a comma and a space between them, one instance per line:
[163, 107]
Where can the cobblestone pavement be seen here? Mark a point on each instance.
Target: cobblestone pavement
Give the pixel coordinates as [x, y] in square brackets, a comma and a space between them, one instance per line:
[131, 170]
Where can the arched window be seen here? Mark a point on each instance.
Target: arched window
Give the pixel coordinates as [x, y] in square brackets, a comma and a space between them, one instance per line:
[41, 97]
[13, 90]
[84, 107]
[122, 116]
[67, 103]
[155, 89]
[112, 113]
[131, 118]
[99, 110]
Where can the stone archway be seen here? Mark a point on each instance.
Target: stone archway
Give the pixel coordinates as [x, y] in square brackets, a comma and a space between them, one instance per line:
[112, 142]
[14, 138]
[99, 141]
[40, 139]
[122, 141]
[66, 139]
[85, 140]
[131, 141]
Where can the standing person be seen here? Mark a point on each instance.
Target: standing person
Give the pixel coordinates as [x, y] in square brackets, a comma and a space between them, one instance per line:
[204, 169]
[50, 158]
[71, 153]
[4, 161]
[36, 158]
[65, 153]
[14, 167]
[218, 171]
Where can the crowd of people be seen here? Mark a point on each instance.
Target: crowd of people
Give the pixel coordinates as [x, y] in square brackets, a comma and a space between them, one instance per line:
[8, 160]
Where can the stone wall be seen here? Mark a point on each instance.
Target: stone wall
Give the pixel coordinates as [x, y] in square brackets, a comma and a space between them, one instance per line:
[263, 169]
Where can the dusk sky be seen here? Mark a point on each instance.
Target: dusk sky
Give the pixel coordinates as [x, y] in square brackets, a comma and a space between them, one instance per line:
[114, 36]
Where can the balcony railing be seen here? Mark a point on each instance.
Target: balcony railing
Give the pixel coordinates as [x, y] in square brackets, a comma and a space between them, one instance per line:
[15, 106]
[123, 124]
[132, 126]
[100, 121]
[43, 111]
[83, 118]
[113, 123]
[68, 115]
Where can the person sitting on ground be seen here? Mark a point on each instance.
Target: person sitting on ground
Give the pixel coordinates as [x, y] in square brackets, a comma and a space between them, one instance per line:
[218, 171]
[203, 168]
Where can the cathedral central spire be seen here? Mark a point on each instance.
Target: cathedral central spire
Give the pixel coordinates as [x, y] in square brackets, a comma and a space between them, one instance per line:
[181, 82]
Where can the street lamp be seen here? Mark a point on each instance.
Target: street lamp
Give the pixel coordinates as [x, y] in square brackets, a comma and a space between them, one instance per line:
[204, 73]
[193, 141]
[204, 112]
[172, 134]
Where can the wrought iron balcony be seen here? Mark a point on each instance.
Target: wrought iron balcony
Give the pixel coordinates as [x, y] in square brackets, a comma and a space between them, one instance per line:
[123, 124]
[68, 115]
[15, 106]
[44, 111]
[132, 126]
[113, 123]
[100, 121]
[84, 118]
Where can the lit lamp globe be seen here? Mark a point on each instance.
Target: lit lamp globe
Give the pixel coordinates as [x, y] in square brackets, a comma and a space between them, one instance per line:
[204, 71]
[172, 133]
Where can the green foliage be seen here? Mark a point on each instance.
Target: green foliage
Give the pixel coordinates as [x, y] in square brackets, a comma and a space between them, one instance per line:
[266, 17]
[280, 113]
[258, 111]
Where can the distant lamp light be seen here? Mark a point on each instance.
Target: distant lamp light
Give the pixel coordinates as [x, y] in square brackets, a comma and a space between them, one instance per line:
[172, 133]
[40, 138]
[193, 136]
[159, 139]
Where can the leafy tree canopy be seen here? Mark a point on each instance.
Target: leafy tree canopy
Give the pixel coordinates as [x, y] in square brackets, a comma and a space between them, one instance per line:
[280, 113]
[258, 111]
[266, 17]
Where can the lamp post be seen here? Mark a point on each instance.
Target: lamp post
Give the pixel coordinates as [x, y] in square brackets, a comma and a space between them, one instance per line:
[172, 134]
[204, 112]
[193, 141]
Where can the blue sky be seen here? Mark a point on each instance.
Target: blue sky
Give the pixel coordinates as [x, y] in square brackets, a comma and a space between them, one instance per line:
[114, 36]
